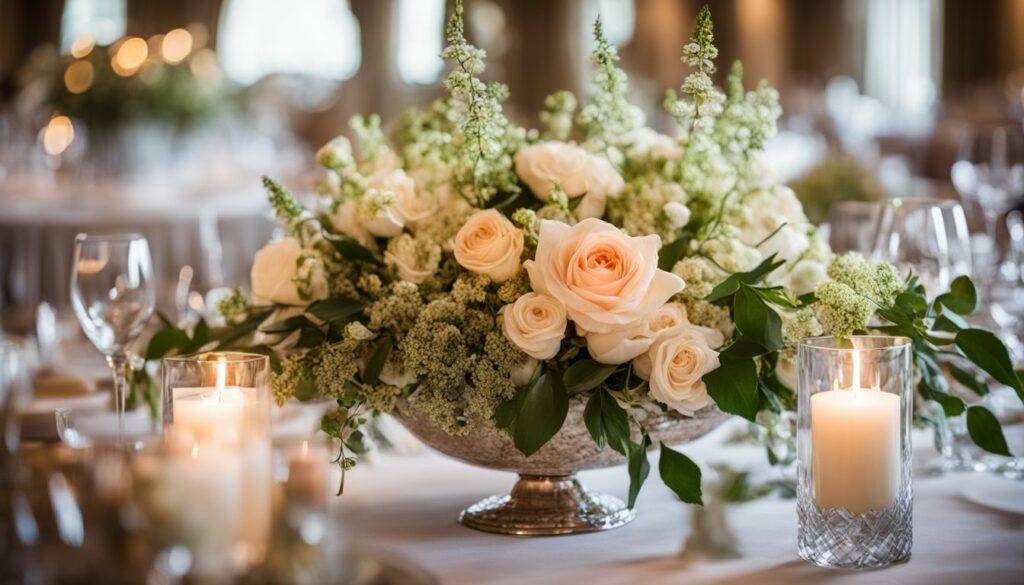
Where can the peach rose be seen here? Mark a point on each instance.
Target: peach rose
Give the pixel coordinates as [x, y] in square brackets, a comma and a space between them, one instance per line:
[535, 323]
[489, 244]
[412, 206]
[676, 365]
[280, 268]
[621, 345]
[578, 172]
[605, 278]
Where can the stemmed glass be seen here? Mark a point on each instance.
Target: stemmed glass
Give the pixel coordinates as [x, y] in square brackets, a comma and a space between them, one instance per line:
[989, 173]
[113, 294]
[928, 236]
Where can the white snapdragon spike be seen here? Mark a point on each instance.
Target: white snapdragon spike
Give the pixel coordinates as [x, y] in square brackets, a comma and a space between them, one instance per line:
[536, 324]
[605, 278]
[284, 273]
[647, 143]
[489, 244]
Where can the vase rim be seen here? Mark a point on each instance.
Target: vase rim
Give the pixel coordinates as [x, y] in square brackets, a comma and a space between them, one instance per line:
[859, 342]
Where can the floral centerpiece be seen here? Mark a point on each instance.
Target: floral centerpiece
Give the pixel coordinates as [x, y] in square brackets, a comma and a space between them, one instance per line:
[479, 277]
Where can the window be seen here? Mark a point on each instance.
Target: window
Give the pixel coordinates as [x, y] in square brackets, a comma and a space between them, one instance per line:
[101, 20]
[420, 35]
[320, 38]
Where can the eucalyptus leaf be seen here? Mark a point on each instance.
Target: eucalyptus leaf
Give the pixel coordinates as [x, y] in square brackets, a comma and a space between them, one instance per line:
[986, 351]
[541, 413]
[733, 386]
[985, 431]
[639, 467]
[681, 475]
[741, 349]
[586, 374]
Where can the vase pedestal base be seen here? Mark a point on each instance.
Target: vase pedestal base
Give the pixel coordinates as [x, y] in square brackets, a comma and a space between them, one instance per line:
[547, 505]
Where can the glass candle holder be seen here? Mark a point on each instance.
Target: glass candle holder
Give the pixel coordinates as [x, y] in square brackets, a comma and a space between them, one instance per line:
[854, 497]
[216, 407]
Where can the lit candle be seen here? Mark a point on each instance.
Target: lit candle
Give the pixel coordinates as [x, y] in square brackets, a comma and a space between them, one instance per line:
[307, 477]
[855, 444]
[213, 412]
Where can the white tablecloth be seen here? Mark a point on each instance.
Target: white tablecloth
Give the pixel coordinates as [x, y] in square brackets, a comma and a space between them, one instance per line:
[409, 505]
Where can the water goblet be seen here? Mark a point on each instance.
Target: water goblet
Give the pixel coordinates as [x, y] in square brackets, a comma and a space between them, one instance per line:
[113, 295]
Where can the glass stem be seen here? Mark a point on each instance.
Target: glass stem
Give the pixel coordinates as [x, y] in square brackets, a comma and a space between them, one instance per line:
[119, 365]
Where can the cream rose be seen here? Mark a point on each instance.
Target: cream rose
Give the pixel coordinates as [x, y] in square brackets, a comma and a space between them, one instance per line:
[677, 364]
[605, 278]
[535, 323]
[415, 261]
[345, 219]
[279, 269]
[411, 205]
[621, 345]
[577, 171]
[489, 244]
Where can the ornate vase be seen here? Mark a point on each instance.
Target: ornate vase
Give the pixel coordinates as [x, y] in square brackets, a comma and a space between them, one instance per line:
[548, 499]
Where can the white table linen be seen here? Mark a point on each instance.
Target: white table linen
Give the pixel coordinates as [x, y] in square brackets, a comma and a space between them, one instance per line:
[409, 505]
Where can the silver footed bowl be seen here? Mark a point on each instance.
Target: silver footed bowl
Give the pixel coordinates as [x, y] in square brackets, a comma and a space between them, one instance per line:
[548, 499]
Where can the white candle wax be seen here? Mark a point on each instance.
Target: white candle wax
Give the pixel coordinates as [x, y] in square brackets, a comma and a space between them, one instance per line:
[211, 413]
[307, 474]
[855, 445]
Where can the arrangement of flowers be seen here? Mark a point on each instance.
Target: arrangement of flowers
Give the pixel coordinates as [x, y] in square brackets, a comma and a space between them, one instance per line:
[487, 273]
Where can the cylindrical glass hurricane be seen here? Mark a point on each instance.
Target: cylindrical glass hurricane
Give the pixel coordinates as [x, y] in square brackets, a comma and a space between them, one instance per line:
[216, 407]
[855, 497]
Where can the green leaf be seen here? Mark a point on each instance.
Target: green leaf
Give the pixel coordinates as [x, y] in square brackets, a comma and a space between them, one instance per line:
[733, 386]
[962, 298]
[607, 422]
[200, 335]
[541, 413]
[730, 285]
[681, 475]
[756, 320]
[305, 390]
[741, 349]
[165, 341]
[586, 374]
[639, 467]
[968, 380]
[353, 250]
[985, 431]
[912, 304]
[506, 413]
[374, 365]
[227, 336]
[951, 405]
[987, 352]
[670, 253]
[310, 336]
[287, 325]
[333, 310]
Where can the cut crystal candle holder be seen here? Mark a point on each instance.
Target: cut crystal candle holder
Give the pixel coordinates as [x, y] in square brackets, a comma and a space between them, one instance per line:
[854, 497]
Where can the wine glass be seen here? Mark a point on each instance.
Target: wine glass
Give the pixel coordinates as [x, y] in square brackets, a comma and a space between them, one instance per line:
[852, 225]
[112, 292]
[927, 236]
[989, 173]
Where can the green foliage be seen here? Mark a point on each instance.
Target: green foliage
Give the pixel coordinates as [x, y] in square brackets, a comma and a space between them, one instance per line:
[681, 475]
[986, 351]
[639, 468]
[733, 386]
[607, 422]
[536, 412]
[585, 374]
[728, 287]
[755, 320]
[985, 431]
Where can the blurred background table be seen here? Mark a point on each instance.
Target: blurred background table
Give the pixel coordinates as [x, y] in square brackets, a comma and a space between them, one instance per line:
[409, 505]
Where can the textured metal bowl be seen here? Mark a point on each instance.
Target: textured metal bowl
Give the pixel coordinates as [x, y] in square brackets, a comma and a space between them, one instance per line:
[548, 499]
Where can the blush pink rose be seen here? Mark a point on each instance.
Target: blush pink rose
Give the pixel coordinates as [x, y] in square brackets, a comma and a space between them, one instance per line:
[605, 278]
[489, 244]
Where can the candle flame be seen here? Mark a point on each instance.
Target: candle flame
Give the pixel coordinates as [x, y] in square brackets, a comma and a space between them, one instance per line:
[195, 450]
[305, 448]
